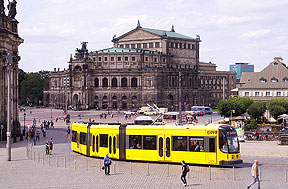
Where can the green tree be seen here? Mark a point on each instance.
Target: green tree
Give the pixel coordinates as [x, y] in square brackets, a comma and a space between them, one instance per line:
[277, 107]
[257, 110]
[239, 104]
[32, 86]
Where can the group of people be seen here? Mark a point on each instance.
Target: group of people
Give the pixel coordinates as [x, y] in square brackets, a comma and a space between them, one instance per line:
[49, 146]
[47, 124]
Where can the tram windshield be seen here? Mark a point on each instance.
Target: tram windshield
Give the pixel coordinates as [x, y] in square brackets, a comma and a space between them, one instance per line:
[228, 141]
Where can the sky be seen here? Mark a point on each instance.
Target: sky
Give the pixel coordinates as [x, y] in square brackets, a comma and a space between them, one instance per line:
[251, 31]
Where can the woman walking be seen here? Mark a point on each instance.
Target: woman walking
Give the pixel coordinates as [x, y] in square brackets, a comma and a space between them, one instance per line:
[184, 173]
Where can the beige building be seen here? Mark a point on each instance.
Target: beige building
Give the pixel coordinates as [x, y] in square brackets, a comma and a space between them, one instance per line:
[270, 83]
[9, 42]
[142, 67]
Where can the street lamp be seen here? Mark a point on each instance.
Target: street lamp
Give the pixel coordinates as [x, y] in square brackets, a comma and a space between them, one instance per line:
[24, 115]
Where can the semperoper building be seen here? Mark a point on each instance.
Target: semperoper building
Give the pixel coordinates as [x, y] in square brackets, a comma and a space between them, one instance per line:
[142, 67]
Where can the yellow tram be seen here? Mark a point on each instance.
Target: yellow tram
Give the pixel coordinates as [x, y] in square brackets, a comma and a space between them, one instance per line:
[215, 144]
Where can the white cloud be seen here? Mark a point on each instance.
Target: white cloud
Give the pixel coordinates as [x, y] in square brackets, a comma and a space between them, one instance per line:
[52, 29]
[256, 34]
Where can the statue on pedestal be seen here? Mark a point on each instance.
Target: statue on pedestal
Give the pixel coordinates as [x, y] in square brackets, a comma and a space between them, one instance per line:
[12, 9]
[2, 8]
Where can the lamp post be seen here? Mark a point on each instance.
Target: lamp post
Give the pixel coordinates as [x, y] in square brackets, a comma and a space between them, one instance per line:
[9, 56]
[24, 115]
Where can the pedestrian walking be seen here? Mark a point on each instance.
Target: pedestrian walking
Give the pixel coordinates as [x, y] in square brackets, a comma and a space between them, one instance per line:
[255, 174]
[50, 146]
[107, 163]
[44, 132]
[37, 134]
[185, 170]
[47, 147]
[52, 124]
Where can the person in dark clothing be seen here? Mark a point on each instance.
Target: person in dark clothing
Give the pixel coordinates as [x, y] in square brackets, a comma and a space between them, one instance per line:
[107, 163]
[184, 173]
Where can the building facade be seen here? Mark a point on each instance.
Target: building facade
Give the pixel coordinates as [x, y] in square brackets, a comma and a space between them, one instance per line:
[142, 67]
[239, 68]
[270, 83]
[9, 42]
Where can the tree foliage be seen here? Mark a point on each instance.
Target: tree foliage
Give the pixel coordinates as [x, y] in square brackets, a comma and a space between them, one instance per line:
[239, 104]
[32, 86]
[257, 110]
[277, 107]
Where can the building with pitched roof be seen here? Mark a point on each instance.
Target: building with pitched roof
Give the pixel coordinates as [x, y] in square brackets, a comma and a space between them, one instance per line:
[270, 83]
[142, 67]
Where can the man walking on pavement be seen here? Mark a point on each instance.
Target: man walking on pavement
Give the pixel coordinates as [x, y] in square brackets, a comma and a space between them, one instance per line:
[255, 174]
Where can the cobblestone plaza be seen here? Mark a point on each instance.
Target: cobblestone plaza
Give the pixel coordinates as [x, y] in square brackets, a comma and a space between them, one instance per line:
[33, 173]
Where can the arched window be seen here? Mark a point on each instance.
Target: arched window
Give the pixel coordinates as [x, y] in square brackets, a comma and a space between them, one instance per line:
[285, 79]
[263, 80]
[124, 82]
[105, 82]
[134, 82]
[114, 82]
[274, 80]
[96, 82]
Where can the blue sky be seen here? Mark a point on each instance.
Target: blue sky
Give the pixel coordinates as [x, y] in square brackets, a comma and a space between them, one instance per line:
[253, 31]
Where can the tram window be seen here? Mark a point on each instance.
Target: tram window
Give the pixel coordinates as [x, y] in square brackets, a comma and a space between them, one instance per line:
[74, 136]
[103, 140]
[212, 145]
[114, 145]
[135, 142]
[149, 142]
[196, 144]
[223, 142]
[82, 138]
[97, 144]
[93, 143]
[117, 141]
[179, 143]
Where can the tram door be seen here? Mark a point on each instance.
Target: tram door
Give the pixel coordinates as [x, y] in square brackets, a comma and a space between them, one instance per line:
[164, 148]
[210, 145]
[167, 147]
[97, 145]
[112, 142]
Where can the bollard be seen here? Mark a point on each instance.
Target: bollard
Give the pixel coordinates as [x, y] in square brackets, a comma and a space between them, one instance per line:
[69, 161]
[43, 158]
[234, 173]
[131, 168]
[38, 157]
[86, 164]
[210, 173]
[57, 161]
[65, 162]
[286, 174]
[31, 154]
[167, 170]
[100, 167]
[259, 173]
[148, 169]
[114, 168]
[74, 164]
[48, 160]
[34, 156]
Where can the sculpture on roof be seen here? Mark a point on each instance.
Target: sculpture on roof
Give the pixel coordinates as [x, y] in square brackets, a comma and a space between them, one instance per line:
[83, 51]
[172, 29]
[12, 9]
[138, 24]
[2, 8]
